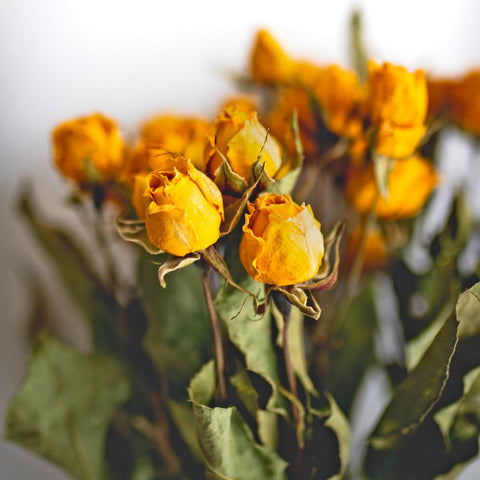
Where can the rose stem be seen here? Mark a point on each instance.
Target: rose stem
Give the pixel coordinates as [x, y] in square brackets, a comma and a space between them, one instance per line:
[357, 266]
[285, 309]
[101, 237]
[161, 434]
[217, 335]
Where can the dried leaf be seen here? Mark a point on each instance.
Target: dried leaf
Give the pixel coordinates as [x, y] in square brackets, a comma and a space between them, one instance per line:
[65, 406]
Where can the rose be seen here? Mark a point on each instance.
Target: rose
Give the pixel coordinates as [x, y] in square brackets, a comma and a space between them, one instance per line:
[339, 94]
[397, 103]
[184, 136]
[290, 100]
[282, 243]
[269, 63]
[240, 137]
[88, 149]
[410, 183]
[184, 207]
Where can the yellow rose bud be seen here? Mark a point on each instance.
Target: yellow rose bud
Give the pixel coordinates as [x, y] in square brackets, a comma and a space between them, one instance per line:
[241, 103]
[282, 243]
[240, 138]
[269, 63]
[185, 207]
[279, 121]
[88, 149]
[340, 95]
[185, 136]
[398, 142]
[410, 183]
[395, 95]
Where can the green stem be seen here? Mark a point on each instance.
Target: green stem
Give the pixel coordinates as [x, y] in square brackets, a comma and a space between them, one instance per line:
[217, 335]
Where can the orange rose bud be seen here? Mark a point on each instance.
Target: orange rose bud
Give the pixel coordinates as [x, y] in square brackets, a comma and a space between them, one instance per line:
[282, 243]
[269, 63]
[185, 207]
[465, 102]
[397, 104]
[240, 138]
[410, 183]
[88, 149]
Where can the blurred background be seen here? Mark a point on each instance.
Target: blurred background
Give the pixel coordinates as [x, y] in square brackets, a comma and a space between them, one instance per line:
[130, 60]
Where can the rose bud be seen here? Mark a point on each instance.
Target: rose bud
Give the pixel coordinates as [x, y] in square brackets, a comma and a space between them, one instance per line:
[88, 149]
[282, 243]
[269, 63]
[397, 103]
[184, 209]
[240, 137]
[410, 183]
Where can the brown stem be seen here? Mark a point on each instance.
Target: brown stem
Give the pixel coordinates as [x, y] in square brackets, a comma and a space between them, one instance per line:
[217, 335]
[160, 435]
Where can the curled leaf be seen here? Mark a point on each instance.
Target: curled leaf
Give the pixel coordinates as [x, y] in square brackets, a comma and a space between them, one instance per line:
[329, 280]
[175, 263]
[303, 300]
[134, 231]
[234, 212]
[226, 179]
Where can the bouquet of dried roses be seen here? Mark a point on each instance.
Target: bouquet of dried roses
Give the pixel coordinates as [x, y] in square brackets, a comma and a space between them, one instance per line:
[273, 251]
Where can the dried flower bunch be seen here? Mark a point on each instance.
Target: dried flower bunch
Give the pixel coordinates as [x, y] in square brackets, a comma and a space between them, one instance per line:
[298, 205]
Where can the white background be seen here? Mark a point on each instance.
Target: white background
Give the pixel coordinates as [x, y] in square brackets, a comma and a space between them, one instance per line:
[60, 59]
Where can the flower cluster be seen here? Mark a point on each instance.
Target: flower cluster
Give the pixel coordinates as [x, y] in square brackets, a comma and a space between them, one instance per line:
[190, 179]
[259, 196]
[189, 182]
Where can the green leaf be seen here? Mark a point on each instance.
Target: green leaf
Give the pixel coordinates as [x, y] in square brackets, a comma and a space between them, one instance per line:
[461, 413]
[328, 440]
[144, 469]
[178, 331]
[355, 352]
[406, 410]
[182, 416]
[339, 424]
[229, 449]
[251, 336]
[468, 312]
[90, 296]
[416, 348]
[65, 406]
[245, 390]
